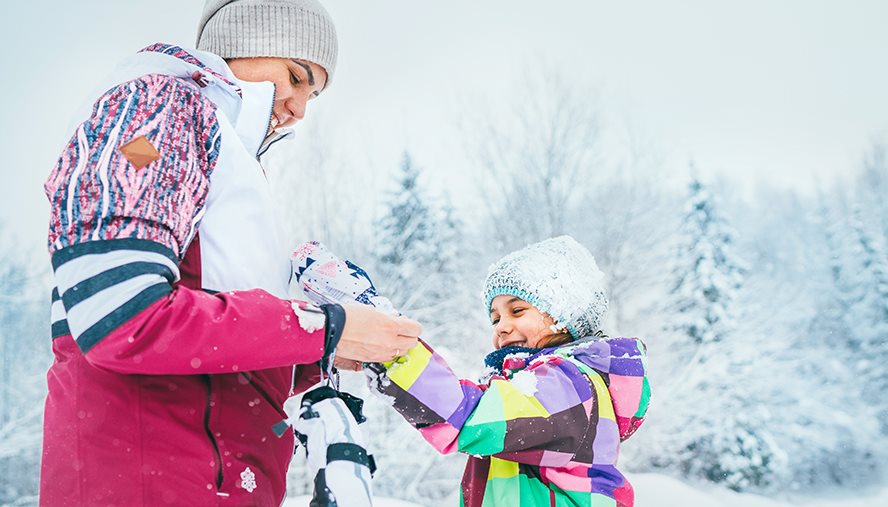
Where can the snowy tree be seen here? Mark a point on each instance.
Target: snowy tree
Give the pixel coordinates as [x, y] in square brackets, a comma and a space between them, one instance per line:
[869, 313]
[728, 438]
[835, 320]
[536, 159]
[419, 256]
[320, 196]
[708, 274]
[24, 357]
[423, 255]
[829, 437]
[408, 249]
[872, 187]
[628, 226]
[419, 265]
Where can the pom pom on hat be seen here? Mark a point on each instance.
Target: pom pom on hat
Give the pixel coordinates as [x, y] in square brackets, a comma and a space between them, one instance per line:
[558, 276]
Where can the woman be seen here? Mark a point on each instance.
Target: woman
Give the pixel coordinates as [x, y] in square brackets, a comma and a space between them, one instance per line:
[175, 340]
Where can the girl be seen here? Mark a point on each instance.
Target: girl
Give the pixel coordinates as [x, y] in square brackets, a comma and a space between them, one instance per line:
[546, 425]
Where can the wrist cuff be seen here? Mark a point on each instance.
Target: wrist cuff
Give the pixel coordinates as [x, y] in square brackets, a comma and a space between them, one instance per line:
[335, 323]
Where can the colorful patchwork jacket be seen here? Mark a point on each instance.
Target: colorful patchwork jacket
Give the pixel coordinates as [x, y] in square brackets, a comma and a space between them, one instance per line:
[173, 332]
[545, 431]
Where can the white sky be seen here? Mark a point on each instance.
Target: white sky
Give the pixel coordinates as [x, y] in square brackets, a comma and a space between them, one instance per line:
[789, 92]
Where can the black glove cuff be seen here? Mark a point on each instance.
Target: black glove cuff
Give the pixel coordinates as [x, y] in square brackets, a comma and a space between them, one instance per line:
[335, 323]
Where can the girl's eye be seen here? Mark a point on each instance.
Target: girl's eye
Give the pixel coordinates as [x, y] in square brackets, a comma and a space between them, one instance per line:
[294, 79]
[495, 322]
[516, 311]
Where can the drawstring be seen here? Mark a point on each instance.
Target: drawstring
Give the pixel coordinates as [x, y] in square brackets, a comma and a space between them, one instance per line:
[332, 377]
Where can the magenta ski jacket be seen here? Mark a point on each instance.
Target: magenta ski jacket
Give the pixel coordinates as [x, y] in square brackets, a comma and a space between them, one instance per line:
[174, 337]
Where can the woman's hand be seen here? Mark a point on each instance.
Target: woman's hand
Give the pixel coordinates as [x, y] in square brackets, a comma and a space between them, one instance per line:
[374, 337]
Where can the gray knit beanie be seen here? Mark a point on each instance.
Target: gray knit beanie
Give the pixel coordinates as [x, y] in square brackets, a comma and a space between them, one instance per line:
[559, 277]
[299, 29]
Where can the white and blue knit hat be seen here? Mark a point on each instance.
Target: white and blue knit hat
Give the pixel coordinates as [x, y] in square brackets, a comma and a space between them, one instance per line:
[559, 277]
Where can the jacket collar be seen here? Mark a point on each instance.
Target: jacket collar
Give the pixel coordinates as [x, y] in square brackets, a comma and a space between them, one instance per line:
[253, 123]
[248, 105]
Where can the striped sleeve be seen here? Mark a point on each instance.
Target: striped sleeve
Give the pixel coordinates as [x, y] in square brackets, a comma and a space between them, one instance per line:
[119, 227]
[541, 416]
[95, 190]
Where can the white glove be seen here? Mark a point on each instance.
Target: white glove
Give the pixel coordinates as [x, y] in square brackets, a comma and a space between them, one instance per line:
[336, 451]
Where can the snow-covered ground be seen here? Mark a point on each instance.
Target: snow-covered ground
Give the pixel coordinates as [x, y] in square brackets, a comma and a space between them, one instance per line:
[655, 490]
[663, 491]
[302, 501]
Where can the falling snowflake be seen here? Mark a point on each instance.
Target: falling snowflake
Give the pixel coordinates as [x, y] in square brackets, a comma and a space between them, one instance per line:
[248, 480]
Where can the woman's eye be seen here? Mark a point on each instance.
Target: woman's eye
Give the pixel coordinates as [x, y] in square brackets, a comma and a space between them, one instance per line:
[294, 79]
[516, 311]
[495, 322]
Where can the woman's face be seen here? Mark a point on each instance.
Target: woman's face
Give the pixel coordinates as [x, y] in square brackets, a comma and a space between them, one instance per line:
[517, 322]
[295, 81]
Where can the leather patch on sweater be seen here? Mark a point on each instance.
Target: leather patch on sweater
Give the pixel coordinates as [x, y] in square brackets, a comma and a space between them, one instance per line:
[140, 152]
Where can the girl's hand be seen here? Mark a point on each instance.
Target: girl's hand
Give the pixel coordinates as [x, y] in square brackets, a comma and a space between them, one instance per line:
[346, 364]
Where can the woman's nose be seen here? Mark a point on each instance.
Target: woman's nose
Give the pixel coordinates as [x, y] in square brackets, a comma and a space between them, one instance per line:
[296, 107]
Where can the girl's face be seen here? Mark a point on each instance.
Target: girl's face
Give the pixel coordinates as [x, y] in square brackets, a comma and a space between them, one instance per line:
[517, 322]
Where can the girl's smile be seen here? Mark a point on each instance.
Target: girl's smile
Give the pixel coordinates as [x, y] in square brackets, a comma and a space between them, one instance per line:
[517, 322]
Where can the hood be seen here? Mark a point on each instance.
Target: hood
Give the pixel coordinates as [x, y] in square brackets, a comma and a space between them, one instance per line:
[621, 363]
[206, 70]
[247, 105]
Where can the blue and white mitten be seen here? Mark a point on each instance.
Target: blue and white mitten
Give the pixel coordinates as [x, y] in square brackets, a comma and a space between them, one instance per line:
[325, 278]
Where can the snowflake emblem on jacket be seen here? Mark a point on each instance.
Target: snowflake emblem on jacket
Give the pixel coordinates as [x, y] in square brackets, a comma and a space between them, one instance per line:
[248, 480]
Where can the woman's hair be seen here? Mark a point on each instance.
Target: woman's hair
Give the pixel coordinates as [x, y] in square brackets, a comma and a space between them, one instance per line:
[562, 337]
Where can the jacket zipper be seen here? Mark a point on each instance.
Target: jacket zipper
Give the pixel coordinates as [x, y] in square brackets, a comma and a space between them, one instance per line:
[210, 432]
[268, 131]
[272, 136]
[267, 144]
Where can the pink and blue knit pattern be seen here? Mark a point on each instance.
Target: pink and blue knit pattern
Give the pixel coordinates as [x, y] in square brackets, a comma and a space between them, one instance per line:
[546, 430]
[176, 51]
[97, 194]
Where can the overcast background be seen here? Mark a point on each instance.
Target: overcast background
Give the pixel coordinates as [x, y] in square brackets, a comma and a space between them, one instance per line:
[533, 119]
[790, 91]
